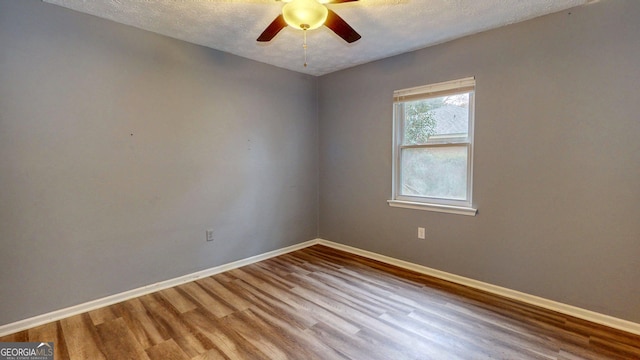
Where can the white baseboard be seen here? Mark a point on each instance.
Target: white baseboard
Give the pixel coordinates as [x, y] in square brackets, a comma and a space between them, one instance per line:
[148, 289]
[570, 310]
[606, 320]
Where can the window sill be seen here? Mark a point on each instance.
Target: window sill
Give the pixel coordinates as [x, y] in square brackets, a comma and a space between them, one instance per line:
[459, 210]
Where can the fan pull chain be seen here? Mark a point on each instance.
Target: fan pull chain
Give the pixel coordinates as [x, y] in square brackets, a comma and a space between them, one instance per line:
[304, 46]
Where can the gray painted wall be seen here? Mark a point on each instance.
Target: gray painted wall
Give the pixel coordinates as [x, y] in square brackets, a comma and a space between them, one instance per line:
[557, 158]
[118, 148]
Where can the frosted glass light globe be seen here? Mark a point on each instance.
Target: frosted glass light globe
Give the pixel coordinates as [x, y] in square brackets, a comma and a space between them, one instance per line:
[304, 14]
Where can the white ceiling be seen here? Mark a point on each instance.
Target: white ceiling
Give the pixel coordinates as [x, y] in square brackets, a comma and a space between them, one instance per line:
[388, 27]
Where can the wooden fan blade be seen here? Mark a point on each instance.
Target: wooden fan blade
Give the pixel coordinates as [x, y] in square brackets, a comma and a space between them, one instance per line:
[341, 28]
[273, 29]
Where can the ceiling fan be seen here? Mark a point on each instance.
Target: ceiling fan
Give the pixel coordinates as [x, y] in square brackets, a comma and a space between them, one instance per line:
[308, 15]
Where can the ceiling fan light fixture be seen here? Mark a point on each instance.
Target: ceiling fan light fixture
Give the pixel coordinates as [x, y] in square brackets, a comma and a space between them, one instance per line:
[304, 14]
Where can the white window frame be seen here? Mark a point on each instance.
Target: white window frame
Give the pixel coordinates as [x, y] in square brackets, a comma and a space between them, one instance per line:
[461, 207]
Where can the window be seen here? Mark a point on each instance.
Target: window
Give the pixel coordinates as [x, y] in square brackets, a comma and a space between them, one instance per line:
[433, 147]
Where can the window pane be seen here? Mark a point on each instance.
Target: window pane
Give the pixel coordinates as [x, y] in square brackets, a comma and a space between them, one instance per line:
[438, 118]
[437, 172]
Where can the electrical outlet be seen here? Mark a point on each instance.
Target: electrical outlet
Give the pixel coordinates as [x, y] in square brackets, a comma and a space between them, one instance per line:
[421, 233]
[210, 235]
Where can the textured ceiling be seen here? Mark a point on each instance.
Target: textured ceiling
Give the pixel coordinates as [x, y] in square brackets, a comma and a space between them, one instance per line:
[388, 27]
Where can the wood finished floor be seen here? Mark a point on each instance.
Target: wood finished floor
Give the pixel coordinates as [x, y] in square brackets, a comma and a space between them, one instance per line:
[321, 303]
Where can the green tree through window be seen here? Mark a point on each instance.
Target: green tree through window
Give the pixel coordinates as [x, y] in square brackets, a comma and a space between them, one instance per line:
[419, 123]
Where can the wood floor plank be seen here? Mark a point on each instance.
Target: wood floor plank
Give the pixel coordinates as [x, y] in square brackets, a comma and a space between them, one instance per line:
[206, 300]
[165, 317]
[615, 349]
[82, 338]
[224, 338]
[305, 346]
[349, 346]
[586, 328]
[224, 292]
[140, 323]
[51, 332]
[179, 301]
[341, 294]
[297, 319]
[194, 344]
[464, 332]
[463, 343]
[297, 302]
[224, 277]
[254, 335]
[102, 315]
[167, 350]
[211, 354]
[378, 298]
[21, 336]
[270, 272]
[119, 342]
[502, 329]
[320, 303]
